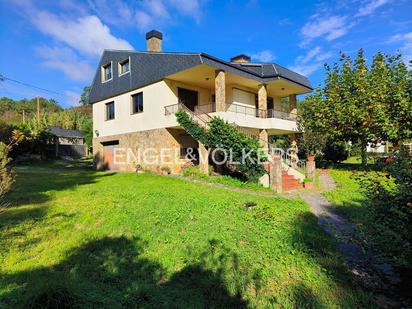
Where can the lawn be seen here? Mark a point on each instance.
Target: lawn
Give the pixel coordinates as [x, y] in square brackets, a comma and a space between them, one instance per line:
[75, 237]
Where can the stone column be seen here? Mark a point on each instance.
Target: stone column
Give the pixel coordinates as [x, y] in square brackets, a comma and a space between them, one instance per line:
[220, 90]
[262, 101]
[264, 139]
[276, 174]
[292, 103]
[203, 159]
[311, 168]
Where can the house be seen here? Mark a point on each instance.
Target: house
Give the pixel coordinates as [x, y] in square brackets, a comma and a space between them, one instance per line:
[136, 93]
[68, 143]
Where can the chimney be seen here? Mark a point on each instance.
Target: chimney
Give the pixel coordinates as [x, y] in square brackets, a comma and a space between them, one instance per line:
[242, 58]
[154, 41]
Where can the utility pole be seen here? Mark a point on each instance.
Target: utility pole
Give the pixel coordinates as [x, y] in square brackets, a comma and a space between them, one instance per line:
[24, 116]
[38, 109]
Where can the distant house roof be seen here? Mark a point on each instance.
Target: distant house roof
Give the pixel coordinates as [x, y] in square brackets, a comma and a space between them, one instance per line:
[60, 132]
[158, 65]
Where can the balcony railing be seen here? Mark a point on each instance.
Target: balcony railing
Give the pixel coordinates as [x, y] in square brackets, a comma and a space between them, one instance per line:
[239, 109]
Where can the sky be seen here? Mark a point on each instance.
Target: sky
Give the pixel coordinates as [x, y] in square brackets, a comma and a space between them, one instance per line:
[56, 45]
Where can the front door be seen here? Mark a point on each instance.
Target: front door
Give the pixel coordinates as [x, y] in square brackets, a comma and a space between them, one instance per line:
[188, 97]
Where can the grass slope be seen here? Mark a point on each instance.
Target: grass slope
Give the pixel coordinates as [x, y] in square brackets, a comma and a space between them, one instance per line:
[75, 237]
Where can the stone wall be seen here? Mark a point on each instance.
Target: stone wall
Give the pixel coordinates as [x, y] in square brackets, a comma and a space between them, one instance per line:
[161, 145]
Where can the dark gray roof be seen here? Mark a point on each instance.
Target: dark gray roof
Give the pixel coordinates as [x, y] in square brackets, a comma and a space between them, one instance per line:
[60, 132]
[157, 65]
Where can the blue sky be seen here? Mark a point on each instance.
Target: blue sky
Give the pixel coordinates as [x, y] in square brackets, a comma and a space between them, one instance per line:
[57, 44]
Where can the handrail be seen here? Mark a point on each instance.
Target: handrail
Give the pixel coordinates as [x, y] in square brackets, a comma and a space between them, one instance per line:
[292, 160]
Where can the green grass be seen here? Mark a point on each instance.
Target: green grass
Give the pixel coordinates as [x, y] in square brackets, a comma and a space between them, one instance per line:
[350, 199]
[75, 237]
[194, 173]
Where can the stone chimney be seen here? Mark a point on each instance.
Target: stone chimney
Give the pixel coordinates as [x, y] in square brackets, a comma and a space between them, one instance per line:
[154, 41]
[242, 58]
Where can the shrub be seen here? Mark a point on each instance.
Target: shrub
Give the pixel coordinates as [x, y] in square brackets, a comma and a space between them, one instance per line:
[6, 175]
[335, 151]
[222, 135]
[391, 208]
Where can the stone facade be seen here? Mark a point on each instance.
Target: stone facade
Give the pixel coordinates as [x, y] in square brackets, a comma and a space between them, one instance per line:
[220, 91]
[154, 44]
[262, 100]
[160, 147]
[293, 103]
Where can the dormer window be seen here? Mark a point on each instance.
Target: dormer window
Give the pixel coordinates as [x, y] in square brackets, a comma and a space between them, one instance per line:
[124, 67]
[107, 72]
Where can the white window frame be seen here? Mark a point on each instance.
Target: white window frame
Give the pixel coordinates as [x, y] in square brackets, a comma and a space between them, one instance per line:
[103, 73]
[119, 66]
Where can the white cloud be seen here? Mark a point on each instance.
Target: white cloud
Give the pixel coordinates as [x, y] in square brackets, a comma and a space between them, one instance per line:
[370, 7]
[264, 56]
[86, 34]
[329, 28]
[306, 69]
[65, 60]
[72, 98]
[188, 8]
[406, 44]
[113, 12]
[311, 61]
[158, 13]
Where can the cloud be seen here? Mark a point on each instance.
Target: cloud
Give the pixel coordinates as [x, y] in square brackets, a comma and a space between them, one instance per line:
[113, 12]
[87, 34]
[311, 61]
[306, 69]
[406, 44]
[188, 8]
[328, 28]
[370, 7]
[72, 98]
[264, 56]
[158, 13]
[64, 59]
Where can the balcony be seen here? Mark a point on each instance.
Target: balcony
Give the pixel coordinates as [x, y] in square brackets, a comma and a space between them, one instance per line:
[279, 121]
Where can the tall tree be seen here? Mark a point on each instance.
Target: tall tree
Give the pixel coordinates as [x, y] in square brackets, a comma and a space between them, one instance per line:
[360, 103]
[84, 97]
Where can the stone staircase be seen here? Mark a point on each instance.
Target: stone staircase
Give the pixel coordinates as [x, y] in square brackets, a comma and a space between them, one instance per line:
[289, 182]
[292, 179]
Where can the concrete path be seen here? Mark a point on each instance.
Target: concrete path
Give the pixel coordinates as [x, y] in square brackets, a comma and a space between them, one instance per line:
[376, 275]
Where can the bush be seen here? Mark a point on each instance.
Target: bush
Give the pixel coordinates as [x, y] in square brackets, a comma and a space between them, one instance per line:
[6, 174]
[335, 151]
[391, 208]
[222, 135]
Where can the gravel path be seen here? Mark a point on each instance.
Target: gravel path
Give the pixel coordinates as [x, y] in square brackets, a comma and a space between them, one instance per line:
[375, 275]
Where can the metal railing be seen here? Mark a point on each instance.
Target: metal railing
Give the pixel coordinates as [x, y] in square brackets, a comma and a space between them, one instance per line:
[238, 109]
[289, 158]
[200, 117]
[280, 114]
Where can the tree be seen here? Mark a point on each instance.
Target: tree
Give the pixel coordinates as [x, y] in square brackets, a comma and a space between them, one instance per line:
[361, 104]
[84, 97]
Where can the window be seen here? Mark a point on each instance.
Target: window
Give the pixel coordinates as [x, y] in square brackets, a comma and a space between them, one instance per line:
[124, 67]
[109, 110]
[107, 72]
[137, 103]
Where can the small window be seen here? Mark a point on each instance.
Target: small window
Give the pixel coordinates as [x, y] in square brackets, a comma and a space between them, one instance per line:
[124, 67]
[137, 103]
[109, 110]
[107, 72]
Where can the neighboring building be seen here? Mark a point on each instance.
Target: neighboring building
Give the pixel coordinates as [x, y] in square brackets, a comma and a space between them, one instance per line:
[68, 143]
[135, 95]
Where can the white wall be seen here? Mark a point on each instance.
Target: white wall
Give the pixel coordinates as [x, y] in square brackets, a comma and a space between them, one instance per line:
[155, 97]
[158, 95]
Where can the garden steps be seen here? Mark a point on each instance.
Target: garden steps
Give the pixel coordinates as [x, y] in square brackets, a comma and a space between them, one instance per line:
[289, 182]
